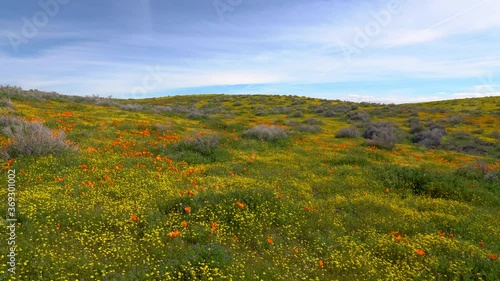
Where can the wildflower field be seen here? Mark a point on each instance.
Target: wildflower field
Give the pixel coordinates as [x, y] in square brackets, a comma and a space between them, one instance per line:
[254, 187]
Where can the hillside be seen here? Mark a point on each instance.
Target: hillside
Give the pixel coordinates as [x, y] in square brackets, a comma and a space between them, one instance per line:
[250, 187]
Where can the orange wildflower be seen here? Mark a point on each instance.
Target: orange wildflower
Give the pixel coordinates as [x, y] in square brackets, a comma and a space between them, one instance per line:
[241, 205]
[386, 190]
[58, 225]
[441, 234]
[394, 233]
[420, 252]
[481, 243]
[235, 239]
[184, 224]
[270, 240]
[279, 196]
[174, 234]
[187, 210]
[320, 263]
[398, 239]
[452, 235]
[214, 226]
[134, 217]
[190, 192]
[493, 257]
[308, 209]
[296, 250]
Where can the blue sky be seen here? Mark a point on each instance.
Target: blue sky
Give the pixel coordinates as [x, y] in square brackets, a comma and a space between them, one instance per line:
[380, 50]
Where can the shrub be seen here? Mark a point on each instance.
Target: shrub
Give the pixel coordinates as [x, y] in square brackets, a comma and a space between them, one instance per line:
[199, 149]
[33, 139]
[201, 143]
[312, 121]
[296, 114]
[281, 110]
[8, 121]
[343, 108]
[267, 133]
[105, 102]
[382, 134]
[429, 138]
[330, 113]
[309, 128]
[358, 115]
[210, 108]
[5, 102]
[298, 102]
[131, 107]
[350, 132]
[415, 126]
[454, 120]
[196, 115]
[161, 109]
[163, 127]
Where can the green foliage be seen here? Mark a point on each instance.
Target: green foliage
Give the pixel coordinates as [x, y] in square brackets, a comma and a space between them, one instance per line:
[266, 203]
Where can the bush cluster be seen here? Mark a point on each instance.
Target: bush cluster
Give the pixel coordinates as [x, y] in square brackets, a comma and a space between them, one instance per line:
[31, 139]
[381, 134]
[349, 132]
[267, 133]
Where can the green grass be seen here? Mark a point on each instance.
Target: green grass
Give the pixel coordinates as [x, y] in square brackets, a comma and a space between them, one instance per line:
[308, 206]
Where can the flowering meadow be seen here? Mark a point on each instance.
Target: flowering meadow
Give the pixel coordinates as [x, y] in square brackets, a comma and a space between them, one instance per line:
[225, 187]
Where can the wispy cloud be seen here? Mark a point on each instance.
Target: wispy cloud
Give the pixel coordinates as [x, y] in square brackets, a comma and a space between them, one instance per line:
[108, 50]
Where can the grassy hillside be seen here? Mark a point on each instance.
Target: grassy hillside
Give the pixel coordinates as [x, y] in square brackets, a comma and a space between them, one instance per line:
[225, 187]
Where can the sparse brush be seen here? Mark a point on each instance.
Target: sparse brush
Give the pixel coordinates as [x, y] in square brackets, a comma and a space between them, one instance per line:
[382, 134]
[33, 139]
[358, 115]
[6, 102]
[309, 128]
[296, 114]
[429, 138]
[201, 143]
[267, 133]
[131, 107]
[312, 121]
[350, 132]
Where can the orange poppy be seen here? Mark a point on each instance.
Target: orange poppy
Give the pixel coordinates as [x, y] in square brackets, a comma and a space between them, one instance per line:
[398, 239]
[270, 240]
[214, 226]
[320, 263]
[174, 234]
[184, 224]
[235, 239]
[134, 217]
[187, 210]
[190, 192]
[394, 233]
[452, 235]
[58, 225]
[279, 196]
[296, 250]
[493, 257]
[386, 190]
[308, 208]
[441, 234]
[420, 252]
[241, 205]
[481, 243]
